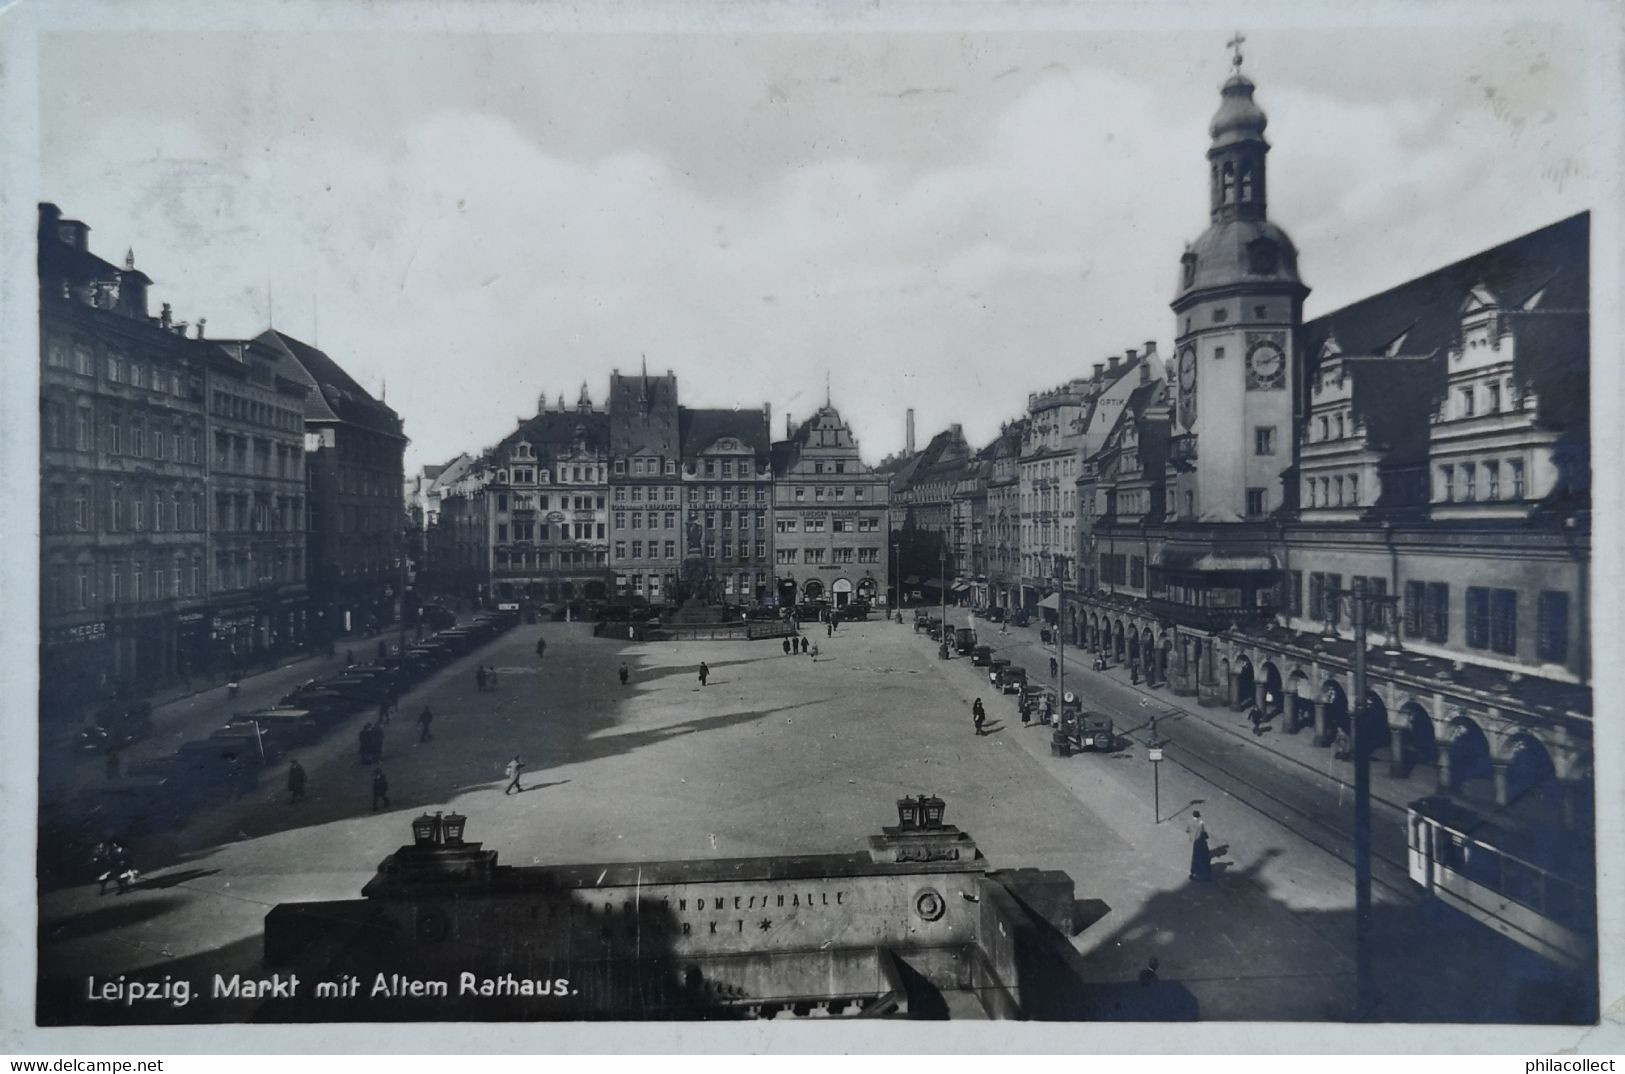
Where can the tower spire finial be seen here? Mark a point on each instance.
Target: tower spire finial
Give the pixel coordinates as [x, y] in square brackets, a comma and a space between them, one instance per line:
[1234, 45]
[826, 388]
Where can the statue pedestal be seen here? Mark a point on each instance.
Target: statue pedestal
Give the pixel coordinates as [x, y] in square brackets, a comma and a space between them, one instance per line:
[946, 843]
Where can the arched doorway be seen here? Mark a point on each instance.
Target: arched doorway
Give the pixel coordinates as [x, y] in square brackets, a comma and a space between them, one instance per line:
[1421, 747]
[1374, 727]
[867, 587]
[1531, 788]
[1466, 756]
[1119, 650]
[1244, 692]
[841, 591]
[812, 589]
[1164, 654]
[1274, 694]
[1094, 632]
[1337, 709]
[1148, 657]
[1133, 645]
[787, 592]
[1302, 697]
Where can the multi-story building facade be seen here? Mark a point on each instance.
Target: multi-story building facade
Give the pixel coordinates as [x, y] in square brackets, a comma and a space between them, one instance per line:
[646, 527]
[969, 543]
[546, 509]
[829, 517]
[1428, 443]
[921, 487]
[354, 470]
[256, 559]
[123, 479]
[1004, 517]
[727, 482]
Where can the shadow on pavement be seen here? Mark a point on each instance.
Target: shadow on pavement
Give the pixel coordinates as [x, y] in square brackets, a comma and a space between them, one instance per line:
[115, 915]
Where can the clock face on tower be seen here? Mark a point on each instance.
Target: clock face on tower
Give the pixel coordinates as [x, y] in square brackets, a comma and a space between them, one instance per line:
[1266, 364]
[1187, 387]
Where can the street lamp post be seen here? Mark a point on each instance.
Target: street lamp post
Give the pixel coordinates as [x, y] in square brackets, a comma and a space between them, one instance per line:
[1360, 752]
[942, 562]
[1060, 635]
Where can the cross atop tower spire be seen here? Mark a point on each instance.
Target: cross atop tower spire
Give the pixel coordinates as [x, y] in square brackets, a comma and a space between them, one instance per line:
[1234, 45]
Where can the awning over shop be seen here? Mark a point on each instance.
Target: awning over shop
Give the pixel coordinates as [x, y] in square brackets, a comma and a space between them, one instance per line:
[1051, 601]
[959, 587]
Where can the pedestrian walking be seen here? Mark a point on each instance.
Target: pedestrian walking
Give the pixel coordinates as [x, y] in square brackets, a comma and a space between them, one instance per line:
[804, 644]
[123, 869]
[978, 715]
[296, 781]
[829, 630]
[1201, 858]
[1255, 716]
[380, 789]
[1341, 748]
[541, 648]
[1134, 673]
[101, 863]
[364, 740]
[425, 718]
[786, 646]
[479, 678]
[705, 672]
[1053, 667]
[815, 652]
[515, 769]
[624, 673]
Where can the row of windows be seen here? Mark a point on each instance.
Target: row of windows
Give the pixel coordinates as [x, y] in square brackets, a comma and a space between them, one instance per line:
[667, 493]
[546, 560]
[1490, 619]
[239, 408]
[1485, 397]
[821, 494]
[120, 368]
[542, 531]
[670, 519]
[654, 550]
[181, 443]
[816, 525]
[233, 454]
[826, 555]
[1339, 491]
[525, 502]
[68, 589]
[647, 467]
[1459, 483]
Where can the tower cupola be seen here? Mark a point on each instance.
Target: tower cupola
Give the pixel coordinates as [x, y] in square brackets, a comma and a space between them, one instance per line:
[1236, 157]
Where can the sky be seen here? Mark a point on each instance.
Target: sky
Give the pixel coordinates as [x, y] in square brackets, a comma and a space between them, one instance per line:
[946, 221]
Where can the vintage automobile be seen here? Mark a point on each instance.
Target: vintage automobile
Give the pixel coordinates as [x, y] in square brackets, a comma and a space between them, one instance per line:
[995, 668]
[981, 656]
[1014, 679]
[992, 613]
[964, 641]
[287, 728]
[1021, 617]
[1078, 729]
[115, 727]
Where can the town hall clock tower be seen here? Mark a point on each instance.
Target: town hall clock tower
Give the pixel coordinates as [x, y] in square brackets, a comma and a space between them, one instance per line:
[1236, 314]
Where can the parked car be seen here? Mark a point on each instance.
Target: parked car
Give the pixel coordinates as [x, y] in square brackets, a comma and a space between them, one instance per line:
[1013, 680]
[289, 728]
[1079, 729]
[981, 656]
[964, 640]
[996, 668]
[992, 614]
[116, 726]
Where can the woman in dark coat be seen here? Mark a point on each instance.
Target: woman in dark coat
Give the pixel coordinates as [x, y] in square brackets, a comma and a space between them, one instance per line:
[1201, 858]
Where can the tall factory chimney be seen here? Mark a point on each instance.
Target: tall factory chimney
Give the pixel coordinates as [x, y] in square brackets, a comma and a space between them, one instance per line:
[908, 437]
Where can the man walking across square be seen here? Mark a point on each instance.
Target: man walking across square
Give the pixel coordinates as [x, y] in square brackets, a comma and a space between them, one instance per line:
[380, 789]
[705, 672]
[515, 768]
[425, 718]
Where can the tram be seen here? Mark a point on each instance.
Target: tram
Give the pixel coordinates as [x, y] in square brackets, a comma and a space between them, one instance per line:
[1532, 893]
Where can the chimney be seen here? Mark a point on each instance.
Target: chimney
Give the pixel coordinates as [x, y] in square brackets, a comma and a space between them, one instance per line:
[1100, 367]
[1150, 349]
[1130, 352]
[201, 321]
[789, 427]
[164, 316]
[1112, 363]
[908, 436]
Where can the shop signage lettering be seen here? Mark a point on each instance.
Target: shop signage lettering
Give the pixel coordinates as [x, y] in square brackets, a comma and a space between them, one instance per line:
[75, 634]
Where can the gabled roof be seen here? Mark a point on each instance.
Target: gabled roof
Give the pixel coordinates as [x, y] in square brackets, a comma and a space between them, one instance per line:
[553, 435]
[699, 429]
[1549, 266]
[630, 398]
[334, 395]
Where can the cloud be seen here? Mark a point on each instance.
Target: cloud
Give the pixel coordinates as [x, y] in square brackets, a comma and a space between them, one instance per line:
[748, 220]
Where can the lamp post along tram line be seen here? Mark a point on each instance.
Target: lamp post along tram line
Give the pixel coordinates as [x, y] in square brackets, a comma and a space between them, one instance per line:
[1360, 748]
